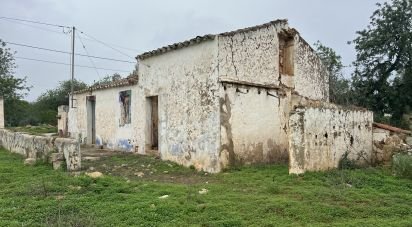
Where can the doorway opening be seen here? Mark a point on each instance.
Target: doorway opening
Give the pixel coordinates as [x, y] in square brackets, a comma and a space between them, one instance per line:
[91, 119]
[152, 123]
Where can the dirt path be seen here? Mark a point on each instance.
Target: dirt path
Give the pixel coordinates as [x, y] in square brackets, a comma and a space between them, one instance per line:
[140, 167]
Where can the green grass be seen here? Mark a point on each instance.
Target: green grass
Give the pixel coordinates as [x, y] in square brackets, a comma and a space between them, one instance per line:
[250, 196]
[35, 130]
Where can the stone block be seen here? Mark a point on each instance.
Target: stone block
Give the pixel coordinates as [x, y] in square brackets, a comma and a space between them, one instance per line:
[409, 140]
[29, 161]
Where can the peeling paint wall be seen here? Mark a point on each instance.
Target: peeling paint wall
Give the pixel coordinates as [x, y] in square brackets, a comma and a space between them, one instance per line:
[109, 131]
[1, 112]
[253, 125]
[319, 137]
[250, 56]
[311, 79]
[186, 83]
[40, 147]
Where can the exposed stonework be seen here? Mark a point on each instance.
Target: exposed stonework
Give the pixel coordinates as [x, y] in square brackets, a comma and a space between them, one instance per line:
[1, 112]
[311, 79]
[320, 137]
[41, 148]
[388, 141]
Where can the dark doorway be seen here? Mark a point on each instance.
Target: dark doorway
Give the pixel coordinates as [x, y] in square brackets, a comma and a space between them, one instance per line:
[91, 119]
[153, 122]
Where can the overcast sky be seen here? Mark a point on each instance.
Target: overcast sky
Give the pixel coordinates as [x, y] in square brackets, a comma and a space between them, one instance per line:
[145, 25]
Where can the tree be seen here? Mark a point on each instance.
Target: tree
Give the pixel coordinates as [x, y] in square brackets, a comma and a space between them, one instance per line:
[12, 89]
[339, 87]
[45, 108]
[108, 79]
[10, 86]
[382, 78]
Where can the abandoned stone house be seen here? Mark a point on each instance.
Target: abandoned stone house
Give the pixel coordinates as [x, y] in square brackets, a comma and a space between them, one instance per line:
[254, 95]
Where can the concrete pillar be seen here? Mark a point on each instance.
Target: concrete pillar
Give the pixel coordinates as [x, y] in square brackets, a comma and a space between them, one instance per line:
[1, 112]
[62, 120]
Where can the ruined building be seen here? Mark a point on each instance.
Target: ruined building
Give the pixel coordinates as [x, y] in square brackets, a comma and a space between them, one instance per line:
[254, 95]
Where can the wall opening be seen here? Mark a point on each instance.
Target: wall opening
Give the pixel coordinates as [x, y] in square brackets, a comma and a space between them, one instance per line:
[91, 119]
[286, 55]
[152, 123]
[125, 98]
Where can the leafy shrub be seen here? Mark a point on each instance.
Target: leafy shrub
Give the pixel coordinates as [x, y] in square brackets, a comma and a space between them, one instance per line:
[402, 165]
[346, 163]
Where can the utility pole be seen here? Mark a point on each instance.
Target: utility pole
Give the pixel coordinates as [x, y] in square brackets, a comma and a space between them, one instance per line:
[72, 68]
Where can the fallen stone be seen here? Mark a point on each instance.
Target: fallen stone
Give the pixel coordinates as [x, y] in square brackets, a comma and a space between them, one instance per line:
[91, 168]
[164, 197]
[91, 158]
[124, 165]
[139, 174]
[408, 140]
[75, 187]
[30, 161]
[203, 191]
[95, 175]
[59, 197]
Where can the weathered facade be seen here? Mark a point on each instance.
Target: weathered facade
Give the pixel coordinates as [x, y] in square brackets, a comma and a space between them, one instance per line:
[211, 102]
[62, 120]
[321, 136]
[1, 112]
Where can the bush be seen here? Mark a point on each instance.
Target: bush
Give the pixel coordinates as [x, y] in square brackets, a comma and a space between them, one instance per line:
[402, 165]
[346, 163]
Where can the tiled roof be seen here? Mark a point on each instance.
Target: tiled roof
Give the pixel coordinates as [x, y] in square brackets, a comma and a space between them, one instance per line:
[199, 39]
[131, 80]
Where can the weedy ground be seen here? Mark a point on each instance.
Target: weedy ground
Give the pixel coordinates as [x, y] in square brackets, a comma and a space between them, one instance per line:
[35, 130]
[249, 196]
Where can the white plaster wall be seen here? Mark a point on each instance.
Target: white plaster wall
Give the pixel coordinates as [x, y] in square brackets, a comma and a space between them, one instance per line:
[1, 112]
[251, 56]
[185, 81]
[311, 79]
[63, 119]
[253, 125]
[319, 137]
[108, 130]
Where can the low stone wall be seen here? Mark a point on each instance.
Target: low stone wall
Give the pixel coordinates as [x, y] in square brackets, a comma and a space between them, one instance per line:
[41, 148]
[321, 136]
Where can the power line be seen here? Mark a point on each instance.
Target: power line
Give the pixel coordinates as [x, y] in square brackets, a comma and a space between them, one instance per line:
[87, 52]
[105, 44]
[116, 45]
[34, 26]
[66, 52]
[62, 63]
[35, 22]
